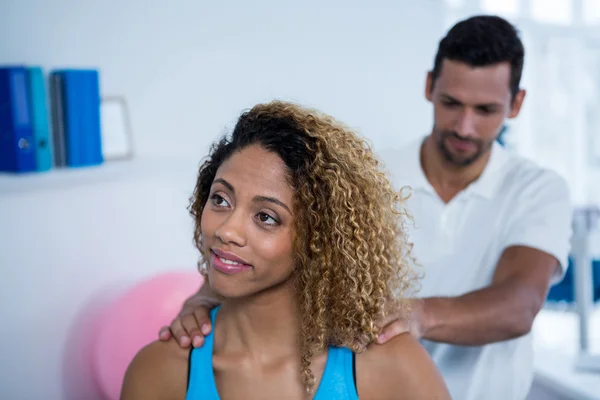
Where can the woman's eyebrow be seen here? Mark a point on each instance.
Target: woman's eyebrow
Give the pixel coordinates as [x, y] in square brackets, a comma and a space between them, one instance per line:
[224, 183]
[272, 200]
[256, 199]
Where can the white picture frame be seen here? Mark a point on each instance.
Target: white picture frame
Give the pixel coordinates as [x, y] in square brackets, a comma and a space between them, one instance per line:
[117, 135]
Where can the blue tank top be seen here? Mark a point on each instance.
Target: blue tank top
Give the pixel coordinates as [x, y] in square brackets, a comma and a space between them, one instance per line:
[337, 381]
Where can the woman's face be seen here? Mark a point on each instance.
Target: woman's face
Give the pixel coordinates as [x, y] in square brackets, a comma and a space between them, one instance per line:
[247, 224]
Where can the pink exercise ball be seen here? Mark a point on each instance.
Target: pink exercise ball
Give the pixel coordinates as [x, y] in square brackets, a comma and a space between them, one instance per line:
[133, 321]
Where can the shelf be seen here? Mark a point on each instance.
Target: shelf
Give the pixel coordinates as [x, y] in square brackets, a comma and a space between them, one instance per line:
[109, 172]
[62, 178]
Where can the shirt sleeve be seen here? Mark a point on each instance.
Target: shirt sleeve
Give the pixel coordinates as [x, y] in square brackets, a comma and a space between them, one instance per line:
[542, 219]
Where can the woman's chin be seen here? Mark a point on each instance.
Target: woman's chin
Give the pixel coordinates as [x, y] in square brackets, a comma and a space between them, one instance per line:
[226, 288]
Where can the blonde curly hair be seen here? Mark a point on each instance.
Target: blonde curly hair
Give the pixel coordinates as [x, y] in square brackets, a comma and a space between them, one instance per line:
[353, 257]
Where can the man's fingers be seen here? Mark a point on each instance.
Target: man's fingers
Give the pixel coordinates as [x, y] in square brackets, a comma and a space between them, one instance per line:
[189, 327]
[192, 328]
[164, 333]
[202, 315]
[179, 332]
[197, 325]
[392, 330]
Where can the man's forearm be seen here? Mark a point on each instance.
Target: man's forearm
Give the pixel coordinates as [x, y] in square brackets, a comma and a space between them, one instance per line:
[489, 315]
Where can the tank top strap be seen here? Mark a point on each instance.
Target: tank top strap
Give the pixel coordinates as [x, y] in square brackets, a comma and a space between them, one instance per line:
[337, 381]
[202, 385]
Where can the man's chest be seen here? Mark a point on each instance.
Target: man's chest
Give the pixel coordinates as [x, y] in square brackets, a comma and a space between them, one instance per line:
[458, 244]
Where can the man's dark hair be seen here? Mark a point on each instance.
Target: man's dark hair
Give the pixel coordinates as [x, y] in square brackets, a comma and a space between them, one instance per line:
[481, 41]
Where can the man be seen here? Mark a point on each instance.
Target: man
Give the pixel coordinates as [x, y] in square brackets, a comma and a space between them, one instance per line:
[491, 229]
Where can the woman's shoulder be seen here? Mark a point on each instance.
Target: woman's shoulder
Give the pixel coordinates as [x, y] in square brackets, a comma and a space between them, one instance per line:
[399, 369]
[158, 371]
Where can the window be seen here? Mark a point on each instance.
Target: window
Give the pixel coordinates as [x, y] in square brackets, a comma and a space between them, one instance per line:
[506, 8]
[453, 16]
[455, 3]
[558, 12]
[450, 20]
[591, 12]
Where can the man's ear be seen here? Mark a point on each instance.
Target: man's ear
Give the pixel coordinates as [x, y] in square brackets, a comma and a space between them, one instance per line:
[517, 103]
[429, 86]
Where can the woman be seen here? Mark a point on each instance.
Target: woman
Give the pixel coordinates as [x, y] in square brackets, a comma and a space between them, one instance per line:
[301, 237]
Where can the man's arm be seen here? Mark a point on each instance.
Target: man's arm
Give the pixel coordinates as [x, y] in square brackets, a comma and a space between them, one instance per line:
[504, 310]
[536, 244]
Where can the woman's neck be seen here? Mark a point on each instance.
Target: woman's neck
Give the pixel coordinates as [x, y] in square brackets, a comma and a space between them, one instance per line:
[265, 324]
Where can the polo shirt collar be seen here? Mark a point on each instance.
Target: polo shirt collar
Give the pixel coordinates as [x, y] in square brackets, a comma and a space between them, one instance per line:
[485, 186]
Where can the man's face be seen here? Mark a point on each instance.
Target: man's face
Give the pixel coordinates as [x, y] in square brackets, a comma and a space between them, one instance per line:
[470, 107]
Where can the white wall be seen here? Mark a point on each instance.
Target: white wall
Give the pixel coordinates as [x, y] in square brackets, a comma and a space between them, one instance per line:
[69, 239]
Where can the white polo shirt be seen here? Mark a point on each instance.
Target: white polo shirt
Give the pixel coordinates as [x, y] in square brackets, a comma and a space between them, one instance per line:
[458, 244]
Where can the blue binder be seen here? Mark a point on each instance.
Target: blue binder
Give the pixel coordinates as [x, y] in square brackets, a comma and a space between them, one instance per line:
[39, 116]
[80, 92]
[58, 123]
[17, 150]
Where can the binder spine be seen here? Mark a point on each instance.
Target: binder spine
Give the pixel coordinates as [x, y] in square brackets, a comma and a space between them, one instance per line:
[17, 152]
[39, 114]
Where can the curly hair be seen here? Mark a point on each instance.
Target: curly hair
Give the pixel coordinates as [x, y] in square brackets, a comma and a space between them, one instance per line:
[353, 258]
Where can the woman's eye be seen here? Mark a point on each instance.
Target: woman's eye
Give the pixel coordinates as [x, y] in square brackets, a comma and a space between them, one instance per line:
[219, 201]
[267, 219]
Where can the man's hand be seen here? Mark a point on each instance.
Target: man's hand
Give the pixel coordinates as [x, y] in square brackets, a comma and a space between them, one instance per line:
[395, 325]
[190, 327]
[193, 322]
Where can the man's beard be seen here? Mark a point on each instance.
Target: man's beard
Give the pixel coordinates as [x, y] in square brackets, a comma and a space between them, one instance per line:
[481, 147]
